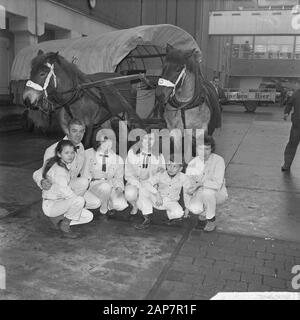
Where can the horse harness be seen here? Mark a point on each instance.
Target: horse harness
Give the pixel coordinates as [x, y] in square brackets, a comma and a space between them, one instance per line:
[78, 94]
[198, 98]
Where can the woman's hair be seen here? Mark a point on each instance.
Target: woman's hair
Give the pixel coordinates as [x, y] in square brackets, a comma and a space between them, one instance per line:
[56, 159]
[207, 141]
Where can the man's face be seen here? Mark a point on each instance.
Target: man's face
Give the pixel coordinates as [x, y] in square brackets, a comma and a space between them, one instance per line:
[173, 168]
[76, 133]
[217, 81]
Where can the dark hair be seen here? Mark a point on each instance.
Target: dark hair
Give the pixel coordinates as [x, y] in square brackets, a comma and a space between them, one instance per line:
[209, 141]
[56, 159]
[75, 121]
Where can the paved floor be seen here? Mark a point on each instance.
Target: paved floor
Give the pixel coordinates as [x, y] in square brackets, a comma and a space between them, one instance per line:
[254, 249]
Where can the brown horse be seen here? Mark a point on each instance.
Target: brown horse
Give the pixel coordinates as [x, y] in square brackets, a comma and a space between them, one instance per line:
[188, 100]
[58, 81]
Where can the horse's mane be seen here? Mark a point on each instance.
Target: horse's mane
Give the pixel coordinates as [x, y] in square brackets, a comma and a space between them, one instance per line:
[73, 71]
[179, 57]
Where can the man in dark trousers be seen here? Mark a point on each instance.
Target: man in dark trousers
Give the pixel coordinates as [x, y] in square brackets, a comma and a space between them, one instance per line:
[291, 147]
[220, 91]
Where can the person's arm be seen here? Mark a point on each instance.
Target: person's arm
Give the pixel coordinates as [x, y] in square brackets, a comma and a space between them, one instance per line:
[38, 177]
[130, 171]
[216, 180]
[62, 181]
[85, 170]
[118, 174]
[186, 185]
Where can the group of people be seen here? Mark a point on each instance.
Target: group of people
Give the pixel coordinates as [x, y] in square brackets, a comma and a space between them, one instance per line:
[74, 181]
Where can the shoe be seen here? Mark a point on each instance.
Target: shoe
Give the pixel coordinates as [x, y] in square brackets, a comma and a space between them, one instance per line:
[144, 225]
[285, 169]
[55, 221]
[66, 230]
[210, 226]
[201, 224]
[175, 222]
[111, 213]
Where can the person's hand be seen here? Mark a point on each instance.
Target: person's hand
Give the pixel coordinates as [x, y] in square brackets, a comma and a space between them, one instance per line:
[159, 200]
[285, 116]
[100, 175]
[186, 213]
[190, 191]
[46, 184]
[118, 191]
[160, 170]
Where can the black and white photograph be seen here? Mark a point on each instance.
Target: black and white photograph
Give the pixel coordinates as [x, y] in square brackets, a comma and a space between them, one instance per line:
[149, 153]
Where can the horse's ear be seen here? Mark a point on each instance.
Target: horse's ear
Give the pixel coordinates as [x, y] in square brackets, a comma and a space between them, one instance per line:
[169, 48]
[189, 53]
[54, 57]
[40, 52]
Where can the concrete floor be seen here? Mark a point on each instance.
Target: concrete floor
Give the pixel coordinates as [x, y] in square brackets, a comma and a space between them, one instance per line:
[114, 261]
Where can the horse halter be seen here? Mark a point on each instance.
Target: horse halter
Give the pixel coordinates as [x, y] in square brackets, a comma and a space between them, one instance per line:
[167, 83]
[38, 87]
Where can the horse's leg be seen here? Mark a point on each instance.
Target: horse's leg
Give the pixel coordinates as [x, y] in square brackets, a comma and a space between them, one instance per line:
[87, 142]
[174, 121]
[64, 119]
[196, 119]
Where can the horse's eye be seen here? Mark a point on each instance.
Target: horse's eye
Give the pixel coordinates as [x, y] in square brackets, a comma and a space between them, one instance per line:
[43, 74]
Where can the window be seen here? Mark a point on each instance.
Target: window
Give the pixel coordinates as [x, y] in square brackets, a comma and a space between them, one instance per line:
[242, 47]
[297, 48]
[273, 47]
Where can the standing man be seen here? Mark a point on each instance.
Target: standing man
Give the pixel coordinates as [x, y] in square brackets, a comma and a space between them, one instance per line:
[291, 147]
[220, 91]
[78, 184]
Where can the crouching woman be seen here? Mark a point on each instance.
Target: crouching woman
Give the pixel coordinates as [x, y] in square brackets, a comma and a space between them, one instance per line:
[207, 184]
[60, 203]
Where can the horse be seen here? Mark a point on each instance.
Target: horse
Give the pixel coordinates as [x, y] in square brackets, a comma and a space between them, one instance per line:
[58, 82]
[186, 99]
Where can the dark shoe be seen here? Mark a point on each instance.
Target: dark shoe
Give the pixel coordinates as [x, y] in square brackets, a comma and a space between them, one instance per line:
[175, 222]
[144, 225]
[111, 214]
[55, 221]
[210, 226]
[285, 169]
[66, 230]
[201, 224]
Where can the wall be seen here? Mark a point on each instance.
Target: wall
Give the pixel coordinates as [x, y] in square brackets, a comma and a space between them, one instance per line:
[272, 68]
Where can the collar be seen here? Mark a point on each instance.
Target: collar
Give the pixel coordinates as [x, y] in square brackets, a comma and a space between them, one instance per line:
[78, 146]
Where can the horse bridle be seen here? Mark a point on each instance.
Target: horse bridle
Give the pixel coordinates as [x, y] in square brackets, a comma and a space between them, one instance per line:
[167, 83]
[77, 89]
[38, 87]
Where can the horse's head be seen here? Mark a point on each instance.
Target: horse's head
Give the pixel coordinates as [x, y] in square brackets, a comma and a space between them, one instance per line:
[176, 63]
[47, 75]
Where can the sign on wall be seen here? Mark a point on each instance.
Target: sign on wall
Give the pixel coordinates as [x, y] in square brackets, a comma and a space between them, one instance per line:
[272, 3]
[2, 17]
